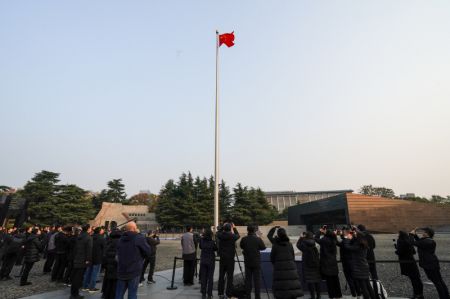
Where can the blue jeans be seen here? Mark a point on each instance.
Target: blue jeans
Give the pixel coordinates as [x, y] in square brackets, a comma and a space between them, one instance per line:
[90, 276]
[131, 285]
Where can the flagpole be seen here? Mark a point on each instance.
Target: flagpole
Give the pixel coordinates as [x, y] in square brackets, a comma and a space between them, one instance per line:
[216, 156]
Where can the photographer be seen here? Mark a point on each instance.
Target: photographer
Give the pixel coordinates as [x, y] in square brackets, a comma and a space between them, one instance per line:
[152, 239]
[227, 250]
[428, 260]
[286, 282]
[358, 246]
[311, 263]
[328, 262]
[346, 259]
[371, 256]
[408, 267]
[251, 246]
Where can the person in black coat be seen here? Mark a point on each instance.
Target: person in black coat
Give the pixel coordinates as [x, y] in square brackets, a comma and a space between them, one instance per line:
[371, 256]
[358, 247]
[328, 262]
[72, 239]
[346, 259]
[227, 250]
[14, 244]
[110, 282]
[207, 263]
[61, 248]
[82, 258]
[311, 263]
[251, 246]
[33, 247]
[152, 240]
[286, 282]
[98, 249]
[428, 260]
[408, 267]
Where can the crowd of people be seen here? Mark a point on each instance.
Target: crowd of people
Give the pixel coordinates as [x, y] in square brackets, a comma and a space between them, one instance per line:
[76, 255]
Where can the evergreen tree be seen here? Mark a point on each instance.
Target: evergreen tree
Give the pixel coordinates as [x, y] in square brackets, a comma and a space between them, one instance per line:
[50, 203]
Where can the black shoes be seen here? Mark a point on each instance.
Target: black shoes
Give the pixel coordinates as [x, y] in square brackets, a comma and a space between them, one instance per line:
[25, 283]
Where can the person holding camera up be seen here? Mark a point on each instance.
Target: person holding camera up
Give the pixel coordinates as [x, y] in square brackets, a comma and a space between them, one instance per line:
[328, 262]
[311, 263]
[286, 282]
[346, 259]
[408, 267]
[152, 239]
[227, 250]
[358, 246]
[428, 260]
[251, 246]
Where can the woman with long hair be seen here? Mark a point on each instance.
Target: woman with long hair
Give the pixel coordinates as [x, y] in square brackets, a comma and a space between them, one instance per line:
[328, 262]
[358, 247]
[311, 263]
[286, 282]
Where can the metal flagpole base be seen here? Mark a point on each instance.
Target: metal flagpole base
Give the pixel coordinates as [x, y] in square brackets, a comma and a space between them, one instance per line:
[172, 288]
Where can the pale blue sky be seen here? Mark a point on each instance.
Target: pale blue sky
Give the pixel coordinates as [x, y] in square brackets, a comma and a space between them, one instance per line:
[315, 95]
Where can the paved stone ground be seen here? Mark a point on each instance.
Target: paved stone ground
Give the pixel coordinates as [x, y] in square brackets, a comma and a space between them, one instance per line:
[389, 274]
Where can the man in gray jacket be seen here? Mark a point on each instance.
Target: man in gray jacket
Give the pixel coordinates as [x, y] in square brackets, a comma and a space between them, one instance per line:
[189, 256]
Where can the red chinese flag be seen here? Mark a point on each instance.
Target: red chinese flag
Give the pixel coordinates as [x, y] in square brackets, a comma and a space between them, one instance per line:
[227, 39]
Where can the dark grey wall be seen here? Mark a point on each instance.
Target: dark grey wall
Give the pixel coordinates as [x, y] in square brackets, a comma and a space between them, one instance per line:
[336, 203]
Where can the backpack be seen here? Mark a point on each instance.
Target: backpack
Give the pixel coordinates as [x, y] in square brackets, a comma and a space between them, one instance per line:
[380, 290]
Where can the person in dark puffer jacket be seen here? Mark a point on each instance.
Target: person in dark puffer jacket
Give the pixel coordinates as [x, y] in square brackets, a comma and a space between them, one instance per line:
[33, 247]
[207, 262]
[286, 282]
[132, 249]
[311, 263]
[82, 258]
[328, 262]
[346, 259]
[111, 265]
[358, 246]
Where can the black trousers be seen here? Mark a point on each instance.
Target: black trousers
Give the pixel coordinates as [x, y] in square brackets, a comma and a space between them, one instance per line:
[49, 262]
[110, 289]
[366, 289]
[8, 263]
[188, 271]
[76, 280]
[226, 267]
[58, 268]
[152, 262]
[68, 272]
[351, 283]
[333, 286]
[207, 278]
[436, 278]
[416, 281]
[253, 274]
[26, 271]
[314, 289]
